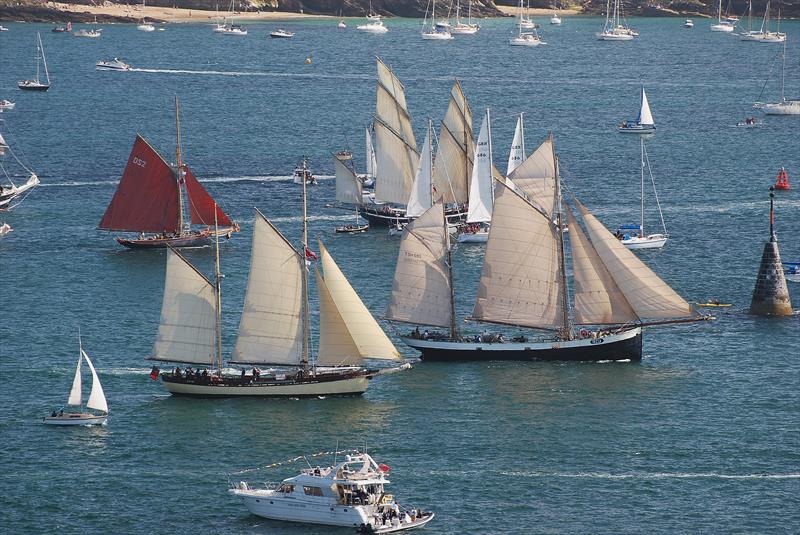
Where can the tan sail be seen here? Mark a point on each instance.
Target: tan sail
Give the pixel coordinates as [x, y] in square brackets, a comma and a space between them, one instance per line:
[536, 177]
[421, 286]
[395, 146]
[520, 282]
[598, 299]
[270, 330]
[368, 336]
[649, 296]
[336, 346]
[456, 150]
[348, 185]
[188, 327]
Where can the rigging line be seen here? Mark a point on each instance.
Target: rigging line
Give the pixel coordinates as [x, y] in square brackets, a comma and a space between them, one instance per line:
[769, 75]
[655, 192]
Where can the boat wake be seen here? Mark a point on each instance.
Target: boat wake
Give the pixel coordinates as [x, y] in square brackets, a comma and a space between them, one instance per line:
[343, 76]
[653, 475]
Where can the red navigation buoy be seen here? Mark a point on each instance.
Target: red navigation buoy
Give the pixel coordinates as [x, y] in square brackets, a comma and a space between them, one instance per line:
[783, 180]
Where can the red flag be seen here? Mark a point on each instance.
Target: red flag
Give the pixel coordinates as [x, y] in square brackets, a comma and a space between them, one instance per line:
[384, 468]
[310, 255]
[154, 373]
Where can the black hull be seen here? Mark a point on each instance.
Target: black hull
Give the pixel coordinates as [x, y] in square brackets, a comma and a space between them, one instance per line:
[34, 88]
[380, 218]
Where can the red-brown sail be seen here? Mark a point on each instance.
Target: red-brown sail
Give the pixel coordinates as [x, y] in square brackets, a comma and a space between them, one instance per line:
[146, 199]
[201, 205]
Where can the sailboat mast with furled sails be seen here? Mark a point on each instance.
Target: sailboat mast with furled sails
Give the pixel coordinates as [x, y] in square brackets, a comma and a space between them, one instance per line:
[524, 282]
[161, 202]
[274, 328]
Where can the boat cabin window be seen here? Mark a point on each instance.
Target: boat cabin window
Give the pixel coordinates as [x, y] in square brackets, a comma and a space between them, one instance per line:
[288, 489]
[312, 491]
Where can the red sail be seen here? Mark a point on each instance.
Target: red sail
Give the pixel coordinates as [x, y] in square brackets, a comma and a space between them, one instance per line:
[147, 196]
[201, 205]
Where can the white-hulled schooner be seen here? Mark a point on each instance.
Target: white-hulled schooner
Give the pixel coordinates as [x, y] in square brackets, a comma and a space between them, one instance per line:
[524, 283]
[274, 328]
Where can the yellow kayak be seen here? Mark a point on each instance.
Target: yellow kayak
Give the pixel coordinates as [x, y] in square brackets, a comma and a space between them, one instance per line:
[720, 305]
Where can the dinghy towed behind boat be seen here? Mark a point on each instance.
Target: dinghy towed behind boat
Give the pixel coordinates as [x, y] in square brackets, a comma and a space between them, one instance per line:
[96, 402]
[349, 493]
[644, 123]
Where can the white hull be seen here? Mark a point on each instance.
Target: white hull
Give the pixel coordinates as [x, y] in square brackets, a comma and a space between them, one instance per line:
[790, 107]
[464, 30]
[437, 36]
[311, 510]
[555, 20]
[6, 105]
[653, 241]
[342, 387]
[525, 41]
[372, 28]
[5, 228]
[637, 129]
[474, 237]
[75, 419]
[726, 28]
[146, 28]
[765, 37]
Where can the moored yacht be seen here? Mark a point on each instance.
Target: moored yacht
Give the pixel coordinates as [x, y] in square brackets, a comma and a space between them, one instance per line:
[280, 33]
[349, 493]
[374, 25]
[616, 28]
[6, 105]
[644, 123]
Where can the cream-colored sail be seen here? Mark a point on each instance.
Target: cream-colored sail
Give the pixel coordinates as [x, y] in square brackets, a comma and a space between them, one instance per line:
[348, 185]
[368, 336]
[271, 329]
[97, 398]
[454, 155]
[517, 154]
[481, 184]
[420, 199]
[421, 286]
[336, 346]
[372, 165]
[188, 327]
[598, 299]
[535, 177]
[649, 296]
[395, 146]
[520, 282]
[75, 392]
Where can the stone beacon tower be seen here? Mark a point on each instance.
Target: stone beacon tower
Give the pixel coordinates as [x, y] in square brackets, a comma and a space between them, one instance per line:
[771, 295]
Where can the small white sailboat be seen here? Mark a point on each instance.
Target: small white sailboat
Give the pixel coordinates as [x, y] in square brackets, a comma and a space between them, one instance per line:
[374, 23]
[224, 28]
[643, 124]
[524, 38]
[762, 35]
[114, 65]
[634, 236]
[5, 228]
[437, 30]
[143, 25]
[75, 414]
[784, 106]
[36, 84]
[461, 27]
[616, 28]
[555, 19]
[724, 26]
[481, 190]
[688, 24]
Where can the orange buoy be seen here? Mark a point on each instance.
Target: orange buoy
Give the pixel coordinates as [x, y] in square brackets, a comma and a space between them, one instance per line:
[783, 180]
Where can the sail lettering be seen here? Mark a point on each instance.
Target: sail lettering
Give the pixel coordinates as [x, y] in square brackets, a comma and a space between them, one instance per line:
[138, 161]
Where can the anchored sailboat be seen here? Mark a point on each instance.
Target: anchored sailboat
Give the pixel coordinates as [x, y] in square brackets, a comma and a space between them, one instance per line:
[644, 123]
[616, 28]
[36, 84]
[436, 31]
[762, 35]
[725, 26]
[154, 197]
[524, 285]
[784, 106]
[634, 236]
[524, 38]
[465, 28]
[11, 194]
[75, 414]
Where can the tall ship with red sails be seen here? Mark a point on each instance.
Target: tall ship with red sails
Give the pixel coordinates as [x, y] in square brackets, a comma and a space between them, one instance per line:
[161, 202]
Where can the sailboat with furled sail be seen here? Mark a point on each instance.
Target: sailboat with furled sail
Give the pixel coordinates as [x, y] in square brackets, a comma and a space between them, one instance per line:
[274, 329]
[524, 283]
[154, 199]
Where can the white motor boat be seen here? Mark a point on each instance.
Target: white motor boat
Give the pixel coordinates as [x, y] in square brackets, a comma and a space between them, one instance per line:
[644, 123]
[96, 411]
[114, 65]
[6, 105]
[342, 25]
[281, 34]
[5, 228]
[374, 25]
[3, 28]
[92, 33]
[350, 493]
[302, 171]
[555, 19]
[688, 24]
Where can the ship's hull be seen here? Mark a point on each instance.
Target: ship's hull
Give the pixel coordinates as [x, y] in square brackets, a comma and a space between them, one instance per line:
[273, 505]
[201, 238]
[75, 419]
[626, 345]
[352, 384]
[386, 217]
[33, 87]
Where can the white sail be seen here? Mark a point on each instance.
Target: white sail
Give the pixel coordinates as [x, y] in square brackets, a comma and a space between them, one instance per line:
[645, 117]
[421, 286]
[187, 330]
[97, 399]
[336, 345]
[535, 177]
[75, 393]
[649, 296]
[348, 185]
[517, 154]
[420, 199]
[453, 163]
[3, 143]
[481, 187]
[520, 282]
[368, 336]
[372, 165]
[598, 299]
[271, 329]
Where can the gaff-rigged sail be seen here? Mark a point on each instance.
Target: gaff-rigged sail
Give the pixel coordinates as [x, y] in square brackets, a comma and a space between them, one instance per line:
[348, 185]
[455, 152]
[536, 177]
[201, 206]
[146, 199]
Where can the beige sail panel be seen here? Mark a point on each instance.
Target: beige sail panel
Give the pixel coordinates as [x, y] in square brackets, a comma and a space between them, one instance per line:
[397, 165]
[336, 346]
[188, 326]
[396, 117]
[455, 153]
[598, 299]
[271, 329]
[649, 296]
[391, 83]
[535, 177]
[520, 283]
[421, 287]
[367, 335]
[348, 185]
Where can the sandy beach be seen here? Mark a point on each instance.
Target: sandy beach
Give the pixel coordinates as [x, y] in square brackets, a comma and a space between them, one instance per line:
[538, 12]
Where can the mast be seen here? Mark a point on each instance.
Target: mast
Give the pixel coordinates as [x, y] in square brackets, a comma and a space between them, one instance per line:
[304, 272]
[491, 158]
[38, 54]
[566, 328]
[783, 71]
[453, 328]
[218, 292]
[641, 158]
[179, 165]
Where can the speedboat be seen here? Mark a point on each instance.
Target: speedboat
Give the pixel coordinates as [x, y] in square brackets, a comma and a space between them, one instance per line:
[688, 24]
[6, 105]
[281, 34]
[349, 493]
[374, 25]
[114, 65]
[88, 33]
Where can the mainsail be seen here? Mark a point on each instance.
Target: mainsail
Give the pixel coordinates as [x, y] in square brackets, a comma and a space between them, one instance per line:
[421, 195]
[395, 145]
[187, 331]
[271, 329]
[421, 286]
[517, 154]
[536, 177]
[451, 173]
[202, 207]
[348, 185]
[146, 199]
[97, 398]
[645, 117]
[481, 187]
[520, 283]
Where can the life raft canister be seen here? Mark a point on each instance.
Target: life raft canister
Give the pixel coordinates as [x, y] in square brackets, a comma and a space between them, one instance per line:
[783, 180]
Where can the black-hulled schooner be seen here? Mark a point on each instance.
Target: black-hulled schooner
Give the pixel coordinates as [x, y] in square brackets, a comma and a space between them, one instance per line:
[524, 283]
[161, 202]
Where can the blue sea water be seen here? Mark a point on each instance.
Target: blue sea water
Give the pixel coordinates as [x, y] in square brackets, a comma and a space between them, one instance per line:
[702, 436]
